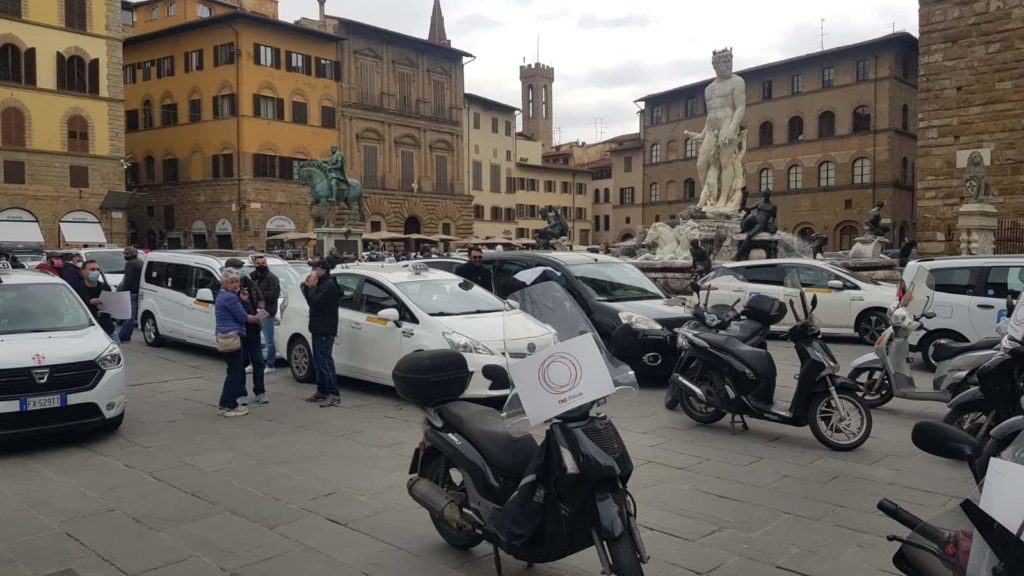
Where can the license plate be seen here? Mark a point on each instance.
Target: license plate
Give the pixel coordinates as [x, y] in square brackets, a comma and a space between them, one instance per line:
[43, 402]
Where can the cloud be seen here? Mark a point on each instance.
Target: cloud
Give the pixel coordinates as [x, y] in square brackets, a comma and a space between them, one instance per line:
[638, 74]
[589, 21]
[476, 23]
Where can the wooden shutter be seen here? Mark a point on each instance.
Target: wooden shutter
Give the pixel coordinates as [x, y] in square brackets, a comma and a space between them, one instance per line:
[94, 76]
[62, 72]
[284, 168]
[29, 71]
[288, 60]
[307, 64]
[199, 64]
[280, 109]
[216, 56]
[216, 109]
[337, 70]
[188, 63]
[216, 165]
[256, 105]
[256, 54]
[277, 58]
[233, 100]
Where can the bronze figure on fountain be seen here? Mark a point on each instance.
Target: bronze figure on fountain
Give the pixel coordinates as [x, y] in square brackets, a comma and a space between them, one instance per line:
[760, 218]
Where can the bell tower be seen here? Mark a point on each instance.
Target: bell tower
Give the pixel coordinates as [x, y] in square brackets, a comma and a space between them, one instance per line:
[538, 102]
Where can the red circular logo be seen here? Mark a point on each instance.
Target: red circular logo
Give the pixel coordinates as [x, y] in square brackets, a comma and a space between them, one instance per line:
[559, 373]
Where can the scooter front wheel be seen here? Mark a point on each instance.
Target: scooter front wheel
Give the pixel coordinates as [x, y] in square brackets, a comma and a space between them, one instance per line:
[624, 556]
[841, 423]
[877, 389]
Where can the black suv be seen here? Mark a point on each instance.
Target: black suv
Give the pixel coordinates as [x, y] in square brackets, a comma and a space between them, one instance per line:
[631, 314]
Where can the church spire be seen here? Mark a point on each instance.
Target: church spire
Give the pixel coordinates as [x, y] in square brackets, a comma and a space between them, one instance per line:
[437, 33]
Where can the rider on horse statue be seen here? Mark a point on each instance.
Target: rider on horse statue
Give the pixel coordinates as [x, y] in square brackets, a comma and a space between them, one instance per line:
[335, 168]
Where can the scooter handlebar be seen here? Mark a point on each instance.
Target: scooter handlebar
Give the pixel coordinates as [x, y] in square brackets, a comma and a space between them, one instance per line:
[913, 523]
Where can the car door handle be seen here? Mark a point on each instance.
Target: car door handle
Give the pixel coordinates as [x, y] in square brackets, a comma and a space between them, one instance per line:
[408, 333]
[739, 289]
[986, 306]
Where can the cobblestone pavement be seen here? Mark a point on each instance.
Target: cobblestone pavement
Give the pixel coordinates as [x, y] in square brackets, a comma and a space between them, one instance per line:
[296, 490]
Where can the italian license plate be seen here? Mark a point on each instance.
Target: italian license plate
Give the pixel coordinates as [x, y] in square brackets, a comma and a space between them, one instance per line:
[43, 402]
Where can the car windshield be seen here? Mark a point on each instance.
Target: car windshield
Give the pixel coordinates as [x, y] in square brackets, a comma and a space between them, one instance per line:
[286, 273]
[855, 275]
[26, 308]
[450, 297]
[110, 261]
[615, 282]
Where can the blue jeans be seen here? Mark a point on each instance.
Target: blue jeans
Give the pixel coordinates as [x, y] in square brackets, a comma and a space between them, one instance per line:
[253, 354]
[323, 364]
[234, 380]
[268, 336]
[128, 326]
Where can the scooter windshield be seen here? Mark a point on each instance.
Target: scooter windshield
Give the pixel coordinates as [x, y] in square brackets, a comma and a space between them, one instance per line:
[550, 303]
[920, 293]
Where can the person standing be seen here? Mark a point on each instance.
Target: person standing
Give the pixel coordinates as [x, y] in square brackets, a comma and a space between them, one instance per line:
[252, 360]
[53, 263]
[71, 271]
[321, 293]
[91, 286]
[130, 283]
[475, 271]
[269, 286]
[333, 259]
[231, 318]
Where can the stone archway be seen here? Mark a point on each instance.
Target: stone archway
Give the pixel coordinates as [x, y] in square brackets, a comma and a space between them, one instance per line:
[412, 225]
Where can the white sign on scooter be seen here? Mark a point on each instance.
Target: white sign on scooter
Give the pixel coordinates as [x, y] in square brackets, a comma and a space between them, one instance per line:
[558, 379]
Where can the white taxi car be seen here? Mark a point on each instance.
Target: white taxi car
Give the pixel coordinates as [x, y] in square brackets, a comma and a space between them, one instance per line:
[58, 368]
[387, 312]
[848, 303]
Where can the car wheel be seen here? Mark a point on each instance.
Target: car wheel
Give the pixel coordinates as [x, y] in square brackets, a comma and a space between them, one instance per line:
[870, 325]
[150, 331]
[930, 340]
[300, 360]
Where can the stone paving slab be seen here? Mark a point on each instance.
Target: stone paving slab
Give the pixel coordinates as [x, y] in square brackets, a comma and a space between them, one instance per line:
[293, 489]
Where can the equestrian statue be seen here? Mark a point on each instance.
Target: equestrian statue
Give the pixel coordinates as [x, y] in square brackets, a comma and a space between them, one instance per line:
[328, 186]
[549, 237]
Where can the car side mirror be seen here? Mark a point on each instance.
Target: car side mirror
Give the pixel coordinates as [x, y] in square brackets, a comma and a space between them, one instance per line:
[391, 315]
[945, 441]
[205, 295]
[1010, 305]
[929, 314]
[836, 285]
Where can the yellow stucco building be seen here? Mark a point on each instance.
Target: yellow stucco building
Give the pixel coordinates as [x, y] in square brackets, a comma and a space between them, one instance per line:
[61, 124]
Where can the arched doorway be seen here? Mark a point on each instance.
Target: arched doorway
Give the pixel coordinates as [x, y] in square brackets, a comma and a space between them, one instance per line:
[412, 225]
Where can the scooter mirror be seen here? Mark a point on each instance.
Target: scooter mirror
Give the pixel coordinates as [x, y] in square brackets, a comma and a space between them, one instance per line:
[1010, 304]
[929, 315]
[945, 441]
[814, 303]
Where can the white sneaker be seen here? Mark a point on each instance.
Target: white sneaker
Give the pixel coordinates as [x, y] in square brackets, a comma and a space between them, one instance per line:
[243, 401]
[269, 369]
[248, 369]
[262, 399]
[237, 411]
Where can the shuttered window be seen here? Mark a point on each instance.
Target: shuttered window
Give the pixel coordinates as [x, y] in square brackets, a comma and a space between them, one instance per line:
[369, 92]
[405, 90]
[12, 128]
[195, 110]
[441, 185]
[78, 134]
[371, 171]
[408, 165]
[14, 172]
[478, 176]
[78, 176]
[328, 117]
[496, 178]
[300, 114]
[75, 15]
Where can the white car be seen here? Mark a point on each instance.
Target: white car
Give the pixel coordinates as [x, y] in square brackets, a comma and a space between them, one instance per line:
[58, 367]
[387, 312]
[848, 303]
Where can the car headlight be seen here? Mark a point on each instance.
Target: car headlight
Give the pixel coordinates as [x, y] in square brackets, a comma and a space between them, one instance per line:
[465, 344]
[111, 358]
[639, 321]
[554, 334]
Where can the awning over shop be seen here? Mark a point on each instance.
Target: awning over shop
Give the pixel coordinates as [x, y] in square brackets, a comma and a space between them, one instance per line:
[223, 226]
[17, 225]
[280, 224]
[81, 227]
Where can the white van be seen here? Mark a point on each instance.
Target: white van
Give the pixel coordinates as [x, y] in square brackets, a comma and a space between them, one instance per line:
[171, 280]
[970, 298]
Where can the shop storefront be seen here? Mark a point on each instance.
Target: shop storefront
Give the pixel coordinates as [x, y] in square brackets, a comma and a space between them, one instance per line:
[20, 232]
[224, 232]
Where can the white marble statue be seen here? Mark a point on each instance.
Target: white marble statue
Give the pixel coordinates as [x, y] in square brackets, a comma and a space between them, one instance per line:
[669, 243]
[722, 142]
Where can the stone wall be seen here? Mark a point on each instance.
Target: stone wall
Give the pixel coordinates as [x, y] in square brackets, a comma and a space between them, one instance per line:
[971, 95]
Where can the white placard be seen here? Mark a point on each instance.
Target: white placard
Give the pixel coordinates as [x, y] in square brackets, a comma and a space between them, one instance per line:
[560, 378]
[1001, 499]
[117, 304]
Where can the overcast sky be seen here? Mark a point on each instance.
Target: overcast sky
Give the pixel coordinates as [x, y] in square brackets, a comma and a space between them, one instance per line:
[608, 53]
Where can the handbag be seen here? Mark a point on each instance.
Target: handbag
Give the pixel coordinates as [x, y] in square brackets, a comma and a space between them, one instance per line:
[230, 342]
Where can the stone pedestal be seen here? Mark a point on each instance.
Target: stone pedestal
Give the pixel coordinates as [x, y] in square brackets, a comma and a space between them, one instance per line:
[764, 245]
[977, 224]
[868, 247]
[342, 239]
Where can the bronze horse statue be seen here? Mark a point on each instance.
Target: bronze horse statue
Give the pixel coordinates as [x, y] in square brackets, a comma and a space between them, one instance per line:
[311, 172]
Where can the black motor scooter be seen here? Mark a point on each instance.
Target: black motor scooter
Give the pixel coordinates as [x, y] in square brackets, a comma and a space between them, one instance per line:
[741, 381]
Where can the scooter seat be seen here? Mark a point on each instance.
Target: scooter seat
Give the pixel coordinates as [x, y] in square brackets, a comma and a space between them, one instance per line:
[759, 361]
[489, 434]
[745, 331]
[946, 350]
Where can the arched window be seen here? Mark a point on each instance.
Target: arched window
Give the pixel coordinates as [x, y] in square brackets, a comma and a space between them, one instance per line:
[75, 15]
[10, 8]
[170, 169]
[766, 180]
[655, 192]
[805, 233]
[690, 149]
[904, 168]
[147, 114]
[689, 189]
[10, 63]
[795, 177]
[411, 226]
[75, 76]
[796, 129]
[905, 117]
[597, 195]
[672, 150]
[861, 119]
[766, 134]
[529, 100]
[149, 165]
[203, 11]
[544, 101]
[861, 171]
[607, 195]
[826, 124]
[12, 128]
[78, 134]
[847, 233]
[655, 153]
[826, 174]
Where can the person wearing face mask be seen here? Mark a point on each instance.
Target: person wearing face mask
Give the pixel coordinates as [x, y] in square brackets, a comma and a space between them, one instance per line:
[270, 287]
[71, 271]
[321, 293]
[92, 286]
[130, 283]
[53, 263]
[254, 304]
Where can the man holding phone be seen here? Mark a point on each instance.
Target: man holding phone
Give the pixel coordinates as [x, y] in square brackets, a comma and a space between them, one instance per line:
[321, 293]
[252, 301]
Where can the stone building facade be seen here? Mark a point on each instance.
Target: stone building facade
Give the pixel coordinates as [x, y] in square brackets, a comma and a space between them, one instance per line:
[829, 133]
[971, 97]
[61, 122]
[618, 210]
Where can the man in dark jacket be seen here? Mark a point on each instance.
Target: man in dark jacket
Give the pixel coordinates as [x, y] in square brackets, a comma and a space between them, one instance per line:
[321, 293]
[71, 271]
[270, 287]
[475, 271]
[251, 343]
[333, 259]
[130, 283]
[91, 287]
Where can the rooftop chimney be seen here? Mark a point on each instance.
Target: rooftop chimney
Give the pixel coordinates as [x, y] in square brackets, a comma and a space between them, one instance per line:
[323, 4]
